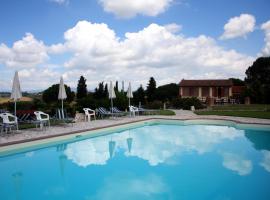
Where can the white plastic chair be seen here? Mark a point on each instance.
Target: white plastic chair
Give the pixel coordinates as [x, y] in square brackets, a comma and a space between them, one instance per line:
[88, 113]
[9, 121]
[133, 110]
[42, 118]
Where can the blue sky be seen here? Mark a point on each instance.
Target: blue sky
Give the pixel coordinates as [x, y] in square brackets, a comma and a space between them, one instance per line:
[166, 36]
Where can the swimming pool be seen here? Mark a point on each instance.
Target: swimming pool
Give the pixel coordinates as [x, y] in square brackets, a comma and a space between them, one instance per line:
[157, 160]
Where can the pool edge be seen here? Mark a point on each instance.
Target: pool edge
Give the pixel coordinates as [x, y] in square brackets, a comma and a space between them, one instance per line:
[98, 131]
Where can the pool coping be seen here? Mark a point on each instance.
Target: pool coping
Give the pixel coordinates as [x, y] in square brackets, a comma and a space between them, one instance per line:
[68, 133]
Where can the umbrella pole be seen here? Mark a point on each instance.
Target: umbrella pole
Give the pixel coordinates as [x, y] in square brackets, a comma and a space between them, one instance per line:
[15, 108]
[62, 110]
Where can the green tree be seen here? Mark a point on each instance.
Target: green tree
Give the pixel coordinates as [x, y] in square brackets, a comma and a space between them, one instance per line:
[258, 80]
[237, 82]
[151, 89]
[81, 88]
[100, 91]
[50, 95]
[139, 95]
[167, 92]
[106, 92]
[120, 101]
[116, 86]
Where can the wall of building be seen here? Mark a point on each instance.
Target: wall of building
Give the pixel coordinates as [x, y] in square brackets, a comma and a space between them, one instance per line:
[205, 91]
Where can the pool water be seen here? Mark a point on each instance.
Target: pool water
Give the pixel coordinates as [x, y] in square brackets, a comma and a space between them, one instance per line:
[149, 162]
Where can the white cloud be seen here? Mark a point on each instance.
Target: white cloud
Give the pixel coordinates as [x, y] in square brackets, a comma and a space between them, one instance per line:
[150, 186]
[37, 78]
[56, 48]
[154, 51]
[27, 52]
[266, 160]
[266, 28]
[173, 27]
[131, 8]
[239, 26]
[89, 152]
[237, 163]
[95, 51]
[60, 2]
[88, 38]
[152, 144]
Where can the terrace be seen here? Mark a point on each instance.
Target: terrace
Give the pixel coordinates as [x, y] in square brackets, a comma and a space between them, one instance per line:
[26, 135]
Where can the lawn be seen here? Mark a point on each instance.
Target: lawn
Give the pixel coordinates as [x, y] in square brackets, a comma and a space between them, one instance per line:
[165, 112]
[255, 110]
[254, 114]
[253, 107]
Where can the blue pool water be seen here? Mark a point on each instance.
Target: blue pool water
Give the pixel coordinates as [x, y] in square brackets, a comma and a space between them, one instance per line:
[149, 162]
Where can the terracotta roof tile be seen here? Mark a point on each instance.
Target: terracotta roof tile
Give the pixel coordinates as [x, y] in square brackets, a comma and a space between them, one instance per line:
[215, 82]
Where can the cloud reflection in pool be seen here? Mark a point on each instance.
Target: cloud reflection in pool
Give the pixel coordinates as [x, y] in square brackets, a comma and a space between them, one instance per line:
[158, 145]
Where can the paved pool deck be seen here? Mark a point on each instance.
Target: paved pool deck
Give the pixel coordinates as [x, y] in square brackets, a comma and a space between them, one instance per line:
[36, 134]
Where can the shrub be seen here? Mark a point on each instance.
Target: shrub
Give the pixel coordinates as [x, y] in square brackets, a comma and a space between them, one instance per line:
[50, 95]
[176, 103]
[166, 112]
[155, 105]
[20, 105]
[121, 101]
[91, 102]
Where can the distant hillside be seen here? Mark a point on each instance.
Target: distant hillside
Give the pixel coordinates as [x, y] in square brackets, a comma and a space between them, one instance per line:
[7, 99]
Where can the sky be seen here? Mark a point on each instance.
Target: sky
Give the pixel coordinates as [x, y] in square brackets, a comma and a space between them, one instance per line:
[127, 40]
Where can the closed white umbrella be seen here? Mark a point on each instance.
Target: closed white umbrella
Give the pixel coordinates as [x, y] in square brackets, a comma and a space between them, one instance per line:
[129, 143]
[112, 148]
[62, 93]
[62, 160]
[129, 93]
[111, 94]
[16, 93]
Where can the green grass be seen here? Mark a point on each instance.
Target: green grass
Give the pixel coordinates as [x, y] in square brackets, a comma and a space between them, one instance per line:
[251, 107]
[237, 113]
[165, 112]
[239, 110]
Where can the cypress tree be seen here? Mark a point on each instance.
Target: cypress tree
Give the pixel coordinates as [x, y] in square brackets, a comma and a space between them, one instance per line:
[151, 89]
[116, 86]
[81, 88]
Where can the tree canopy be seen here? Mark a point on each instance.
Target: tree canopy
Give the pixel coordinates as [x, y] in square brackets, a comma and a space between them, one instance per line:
[167, 92]
[116, 86]
[101, 91]
[139, 95]
[50, 95]
[81, 88]
[237, 82]
[258, 80]
[151, 89]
